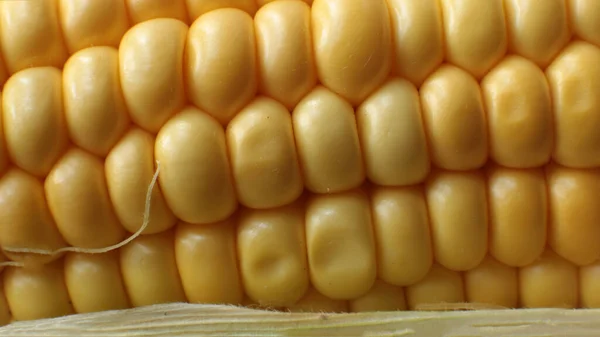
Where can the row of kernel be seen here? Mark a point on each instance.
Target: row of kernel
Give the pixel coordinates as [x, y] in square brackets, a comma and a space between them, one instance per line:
[538, 37]
[272, 257]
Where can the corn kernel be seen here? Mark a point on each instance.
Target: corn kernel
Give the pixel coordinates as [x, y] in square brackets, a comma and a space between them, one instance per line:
[492, 283]
[220, 63]
[197, 8]
[145, 10]
[129, 170]
[87, 23]
[439, 286]
[149, 270]
[284, 47]
[336, 30]
[263, 155]
[151, 71]
[381, 297]
[95, 110]
[327, 141]
[195, 175]
[207, 262]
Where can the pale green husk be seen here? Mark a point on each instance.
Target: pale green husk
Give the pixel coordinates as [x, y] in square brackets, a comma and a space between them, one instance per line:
[180, 319]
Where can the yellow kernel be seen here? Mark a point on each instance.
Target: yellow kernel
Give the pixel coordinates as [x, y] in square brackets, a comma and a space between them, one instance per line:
[220, 63]
[574, 226]
[30, 35]
[78, 199]
[392, 135]
[33, 117]
[207, 262]
[574, 79]
[585, 19]
[195, 177]
[94, 282]
[129, 169]
[25, 220]
[272, 254]
[475, 34]
[313, 301]
[519, 111]
[492, 283]
[549, 282]
[401, 227]
[518, 210]
[589, 285]
[37, 293]
[286, 65]
[149, 270]
[341, 245]
[458, 213]
[263, 155]
[95, 110]
[537, 29]
[381, 297]
[454, 119]
[418, 38]
[151, 71]
[197, 8]
[440, 286]
[87, 23]
[264, 2]
[144, 10]
[327, 142]
[353, 45]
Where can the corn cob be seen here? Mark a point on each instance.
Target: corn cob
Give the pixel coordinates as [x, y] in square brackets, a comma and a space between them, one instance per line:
[326, 155]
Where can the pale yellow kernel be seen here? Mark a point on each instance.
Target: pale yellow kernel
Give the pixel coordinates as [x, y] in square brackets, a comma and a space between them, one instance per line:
[418, 38]
[37, 293]
[458, 213]
[94, 282]
[492, 283]
[313, 301]
[144, 10]
[589, 285]
[286, 65]
[549, 282]
[584, 17]
[327, 142]
[151, 71]
[149, 270]
[25, 220]
[381, 297]
[78, 200]
[475, 34]
[95, 110]
[454, 119]
[519, 111]
[574, 215]
[195, 176]
[352, 45]
[4, 155]
[30, 35]
[537, 29]
[207, 262]
[392, 135]
[129, 169]
[574, 79]
[518, 210]
[220, 63]
[33, 117]
[197, 8]
[341, 245]
[87, 23]
[272, 253]
[402, 233]
[263, 155]
[440, 286]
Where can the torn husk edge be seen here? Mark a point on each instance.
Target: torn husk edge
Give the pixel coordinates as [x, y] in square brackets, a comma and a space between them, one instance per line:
[183, 319]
